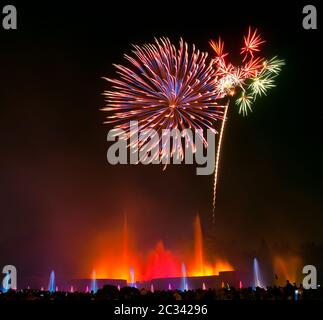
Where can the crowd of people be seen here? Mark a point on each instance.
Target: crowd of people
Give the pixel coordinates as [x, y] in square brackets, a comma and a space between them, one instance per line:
[288, 292]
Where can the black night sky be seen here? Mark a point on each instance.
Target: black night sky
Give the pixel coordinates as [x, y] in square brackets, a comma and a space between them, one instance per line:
[57, 190]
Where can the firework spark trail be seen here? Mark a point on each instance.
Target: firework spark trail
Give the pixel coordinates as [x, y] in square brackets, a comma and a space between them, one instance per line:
[217, 161]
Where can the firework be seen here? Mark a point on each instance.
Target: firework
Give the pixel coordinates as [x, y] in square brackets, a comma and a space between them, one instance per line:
[165, 87]
[253, 78]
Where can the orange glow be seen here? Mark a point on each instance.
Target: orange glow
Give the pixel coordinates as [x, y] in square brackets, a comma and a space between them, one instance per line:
[116, 255]
[287, 268]
[222, 265]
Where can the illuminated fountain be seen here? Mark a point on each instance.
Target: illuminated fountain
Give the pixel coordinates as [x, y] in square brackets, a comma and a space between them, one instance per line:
[5, 284]
[114, 254]
[287, 268]
[118, 263]
[200, 266]
[51, 284]
[125, 250]
[184, 278]
[162, 263]
[198, 246]
[132, 277]
[94, 285]
[256, 274]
